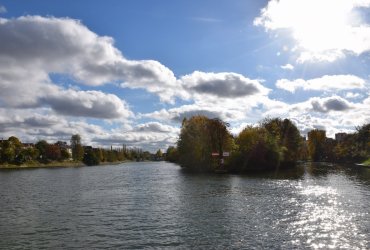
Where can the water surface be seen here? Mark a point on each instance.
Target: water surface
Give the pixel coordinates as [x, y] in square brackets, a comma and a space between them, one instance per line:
[156, 205]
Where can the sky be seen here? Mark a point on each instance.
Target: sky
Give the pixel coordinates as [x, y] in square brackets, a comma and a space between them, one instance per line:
[128, 72]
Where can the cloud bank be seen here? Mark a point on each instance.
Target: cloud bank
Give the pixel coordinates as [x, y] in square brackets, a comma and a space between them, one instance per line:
[324, 83]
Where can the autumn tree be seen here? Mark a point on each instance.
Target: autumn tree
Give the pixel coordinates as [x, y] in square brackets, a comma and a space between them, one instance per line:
[199, 137]
[10, 149]
[53, 152]
[77, 149]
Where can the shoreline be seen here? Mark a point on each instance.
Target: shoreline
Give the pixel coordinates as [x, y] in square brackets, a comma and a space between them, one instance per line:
[67, 164]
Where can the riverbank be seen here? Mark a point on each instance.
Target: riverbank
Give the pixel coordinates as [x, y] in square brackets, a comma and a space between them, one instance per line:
[56, 164]
[365, 163]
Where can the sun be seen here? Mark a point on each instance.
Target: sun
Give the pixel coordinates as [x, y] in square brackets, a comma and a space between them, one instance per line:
[320, 28]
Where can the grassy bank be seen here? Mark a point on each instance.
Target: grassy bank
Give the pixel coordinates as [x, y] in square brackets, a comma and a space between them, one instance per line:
[366, 163]
[53, 164]
[56, 164]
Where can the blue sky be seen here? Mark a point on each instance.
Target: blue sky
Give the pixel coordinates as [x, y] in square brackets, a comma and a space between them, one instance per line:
[127, 72]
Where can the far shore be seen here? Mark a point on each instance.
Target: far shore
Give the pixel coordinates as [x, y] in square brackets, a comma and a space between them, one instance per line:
[56, 164]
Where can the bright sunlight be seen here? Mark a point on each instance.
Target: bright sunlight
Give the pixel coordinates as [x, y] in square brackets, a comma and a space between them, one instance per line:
[323, 30]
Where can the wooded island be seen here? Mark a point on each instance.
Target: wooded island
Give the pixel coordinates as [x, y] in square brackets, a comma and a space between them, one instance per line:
[206, 145]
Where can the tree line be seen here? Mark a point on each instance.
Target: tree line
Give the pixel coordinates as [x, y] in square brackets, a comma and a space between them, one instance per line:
[13, 151]
[207, 145]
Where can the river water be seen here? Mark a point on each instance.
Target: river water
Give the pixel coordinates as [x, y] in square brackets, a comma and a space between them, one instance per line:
[157, 205]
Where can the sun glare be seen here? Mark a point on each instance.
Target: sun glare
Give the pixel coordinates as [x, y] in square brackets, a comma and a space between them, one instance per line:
[320, 27]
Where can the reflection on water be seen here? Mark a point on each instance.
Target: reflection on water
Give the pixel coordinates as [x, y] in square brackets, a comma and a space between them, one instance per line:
[156, 205]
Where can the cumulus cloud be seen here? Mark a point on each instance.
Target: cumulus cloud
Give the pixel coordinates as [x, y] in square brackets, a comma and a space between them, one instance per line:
[94, 104]
[224, 85]
[187, 111]
[334, 103]
[335, 30]
[155, 127]
[44, 45]
[333, 114]
[325, 83]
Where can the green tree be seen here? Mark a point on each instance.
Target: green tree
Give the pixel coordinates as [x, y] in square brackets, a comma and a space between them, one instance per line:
[27, 155]
[41, 147]
[65, 155]
[363, 139]
[90, 158]
[257, 149]
[316, 144]
[77, 149]
[7, 152]
[288, 138]
[172, 154]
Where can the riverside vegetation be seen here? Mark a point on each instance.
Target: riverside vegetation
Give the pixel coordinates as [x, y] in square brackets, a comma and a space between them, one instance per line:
[14, 153]
[273, 143]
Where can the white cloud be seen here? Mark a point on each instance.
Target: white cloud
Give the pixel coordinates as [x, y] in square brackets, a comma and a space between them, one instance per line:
[42, 45]
[287, 66]
[325, 83]
[352, 95]
[333, 114]
[323, 30]
[94, 104]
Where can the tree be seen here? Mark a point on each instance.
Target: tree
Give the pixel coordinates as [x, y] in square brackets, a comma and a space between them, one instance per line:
[194, 151]
[41, 147]
[53, 152]
[65, 155]
[77, 149]
[220, 138]
[316, 144]
[363, 139]
[11, 149]
[172, 154]
[257, 149]
[199, 137]
[90, 158]
[7, 152]
[27, 155]
[288, 138]
[158, 155]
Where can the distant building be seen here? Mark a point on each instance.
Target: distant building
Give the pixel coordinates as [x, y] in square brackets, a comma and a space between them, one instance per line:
[340, 136]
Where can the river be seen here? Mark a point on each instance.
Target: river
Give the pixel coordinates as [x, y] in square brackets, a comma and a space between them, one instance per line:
[157, 205]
